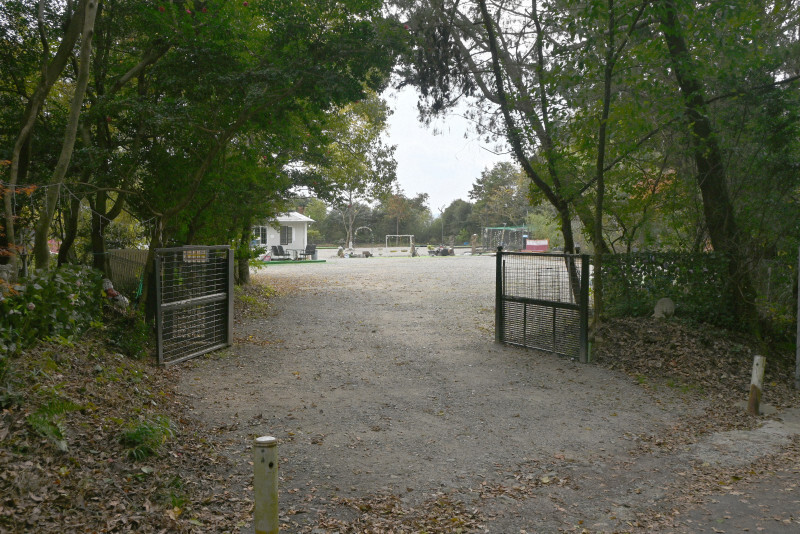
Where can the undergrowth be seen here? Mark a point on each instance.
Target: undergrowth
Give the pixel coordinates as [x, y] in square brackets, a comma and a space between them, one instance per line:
[144, 439]
[86, 443]
[253, 298]
[48, 420]
[55, 305]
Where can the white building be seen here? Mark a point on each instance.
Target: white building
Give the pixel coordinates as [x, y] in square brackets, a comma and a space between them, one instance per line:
[292, 233]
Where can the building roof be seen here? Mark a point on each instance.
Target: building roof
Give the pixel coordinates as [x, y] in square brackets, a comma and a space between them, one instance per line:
[293, 216]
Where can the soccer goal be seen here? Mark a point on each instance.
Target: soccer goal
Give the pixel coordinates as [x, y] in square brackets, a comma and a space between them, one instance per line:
[399, 245]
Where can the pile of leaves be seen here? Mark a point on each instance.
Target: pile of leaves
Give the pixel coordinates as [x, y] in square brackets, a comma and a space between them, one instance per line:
[252, 300]
[388, 515]
[700, 361]
[94, 441]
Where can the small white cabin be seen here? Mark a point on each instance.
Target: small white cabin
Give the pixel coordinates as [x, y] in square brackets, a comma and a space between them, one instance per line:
[292, 233]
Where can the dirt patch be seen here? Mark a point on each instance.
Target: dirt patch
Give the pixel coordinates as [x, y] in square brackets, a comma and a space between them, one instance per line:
[396, 411]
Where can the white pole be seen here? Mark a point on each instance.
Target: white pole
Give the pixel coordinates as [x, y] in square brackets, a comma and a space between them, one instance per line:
[756, 382]
[265, 485]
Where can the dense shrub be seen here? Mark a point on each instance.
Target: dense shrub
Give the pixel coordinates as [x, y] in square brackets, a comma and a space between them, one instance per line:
[699, 284]
[130, 334]
[55, 304]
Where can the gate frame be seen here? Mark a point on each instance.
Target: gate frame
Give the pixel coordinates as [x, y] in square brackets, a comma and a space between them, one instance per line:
[191, 302]
[582, 306]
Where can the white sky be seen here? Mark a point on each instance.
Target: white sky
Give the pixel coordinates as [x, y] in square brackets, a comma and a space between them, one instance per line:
[444, 165]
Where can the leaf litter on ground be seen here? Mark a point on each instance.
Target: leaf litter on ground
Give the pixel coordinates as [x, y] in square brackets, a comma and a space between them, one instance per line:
[188, 486]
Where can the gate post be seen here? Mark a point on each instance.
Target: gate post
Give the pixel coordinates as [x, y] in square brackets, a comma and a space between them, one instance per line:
[159, 311]
[229, 325]
[583, 339]
[498, 299]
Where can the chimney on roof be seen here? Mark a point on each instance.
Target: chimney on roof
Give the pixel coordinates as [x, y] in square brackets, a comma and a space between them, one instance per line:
[301, 209]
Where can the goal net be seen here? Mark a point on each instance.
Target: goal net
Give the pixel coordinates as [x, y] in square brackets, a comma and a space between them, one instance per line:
[399, 245]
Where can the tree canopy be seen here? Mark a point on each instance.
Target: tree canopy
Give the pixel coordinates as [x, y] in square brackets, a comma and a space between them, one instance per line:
[622, 110]
[197, 116]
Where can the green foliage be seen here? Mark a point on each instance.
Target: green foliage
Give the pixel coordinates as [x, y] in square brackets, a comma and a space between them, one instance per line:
[47, 421]
[131, 335]
[176, 493]
[458, 219]
[144, 439]
[543, 224]
[775, 284]
[501, 196]
[57, 304]
[360, 168]
[7, 395]
[699, 284]
[253, 299]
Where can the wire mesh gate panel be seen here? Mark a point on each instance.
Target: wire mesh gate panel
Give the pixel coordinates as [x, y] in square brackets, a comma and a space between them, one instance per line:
[194, 295]
[542, 302]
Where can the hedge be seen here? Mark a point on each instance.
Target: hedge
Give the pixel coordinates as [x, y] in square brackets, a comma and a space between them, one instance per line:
[699, 284]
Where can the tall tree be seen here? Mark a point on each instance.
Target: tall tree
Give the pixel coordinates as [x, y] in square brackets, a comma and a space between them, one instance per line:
[51, 69]
[41, 249]
[501, 196]
[398, 208]
[583, 93]
[360, 167]
[708, 152]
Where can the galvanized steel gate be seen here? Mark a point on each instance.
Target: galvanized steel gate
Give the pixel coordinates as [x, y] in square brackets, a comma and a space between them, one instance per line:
[194, 301]
[542, 302]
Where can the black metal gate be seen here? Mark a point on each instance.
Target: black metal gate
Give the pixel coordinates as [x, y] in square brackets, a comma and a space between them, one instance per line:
[542, 302]
[194, 301]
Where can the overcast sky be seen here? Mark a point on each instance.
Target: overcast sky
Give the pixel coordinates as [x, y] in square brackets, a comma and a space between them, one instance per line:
[443, 165]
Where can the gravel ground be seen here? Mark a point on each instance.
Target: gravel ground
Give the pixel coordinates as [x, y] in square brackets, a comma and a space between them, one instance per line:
[381, 379]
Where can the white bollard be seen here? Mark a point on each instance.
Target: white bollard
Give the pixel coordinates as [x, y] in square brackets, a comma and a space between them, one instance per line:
[756, 383]
[265, 485]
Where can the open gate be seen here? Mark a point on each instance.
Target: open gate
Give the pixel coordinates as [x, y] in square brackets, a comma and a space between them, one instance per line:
[542, 302]
[194, 301]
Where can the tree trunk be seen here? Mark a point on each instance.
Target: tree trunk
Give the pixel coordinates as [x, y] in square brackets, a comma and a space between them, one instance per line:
[243, 256]
[70, 231]
[513, 135]
[711, 178]
[99, 222]
[602, 134]
[147, 301]
[41, 250]
[50, 73]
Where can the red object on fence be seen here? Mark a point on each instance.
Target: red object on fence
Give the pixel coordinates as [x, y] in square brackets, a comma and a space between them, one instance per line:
[537, 245]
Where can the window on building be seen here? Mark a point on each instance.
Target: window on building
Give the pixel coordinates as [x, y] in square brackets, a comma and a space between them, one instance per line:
[286, 235]
[261, 232]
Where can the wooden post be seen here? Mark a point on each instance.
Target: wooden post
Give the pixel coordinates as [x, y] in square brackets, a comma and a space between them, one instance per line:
[265, 485]
[756, 382]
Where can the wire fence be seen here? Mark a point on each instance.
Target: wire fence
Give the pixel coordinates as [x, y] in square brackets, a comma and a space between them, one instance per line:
[194, 301]
[543, 302]
[126, 269]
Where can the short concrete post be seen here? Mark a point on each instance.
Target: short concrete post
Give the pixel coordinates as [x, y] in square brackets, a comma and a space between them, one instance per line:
[265, 485]
[756, 382]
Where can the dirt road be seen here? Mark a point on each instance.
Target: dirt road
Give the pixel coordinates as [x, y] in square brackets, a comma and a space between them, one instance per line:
[381, 379]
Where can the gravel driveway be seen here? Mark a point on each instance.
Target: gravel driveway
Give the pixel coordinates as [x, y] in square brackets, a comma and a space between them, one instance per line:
[380, 376]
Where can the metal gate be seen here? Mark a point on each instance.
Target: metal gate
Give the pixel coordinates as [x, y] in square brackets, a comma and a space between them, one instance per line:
[542, 302]
[194, 301]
